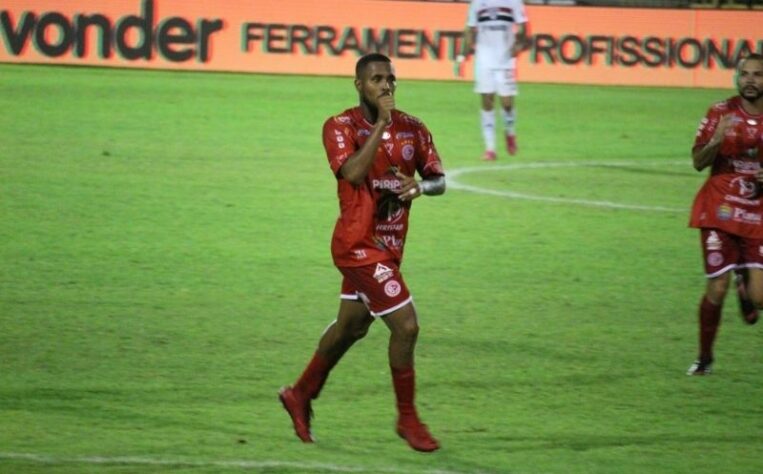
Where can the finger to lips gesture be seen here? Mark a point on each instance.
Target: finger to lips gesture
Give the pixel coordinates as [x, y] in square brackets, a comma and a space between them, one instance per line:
[386, 105]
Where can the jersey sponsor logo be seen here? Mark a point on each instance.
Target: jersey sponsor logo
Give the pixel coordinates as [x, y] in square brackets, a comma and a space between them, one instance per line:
[392, 288]
[713, 242]
[389, 227]
[382, 273]
[385, 183]
[359, 254]
[744, 188]
[725, 212]
[391, 242]
[408, 152]
[403, 135]
[714, 259]
[364, 132]
[747, 216]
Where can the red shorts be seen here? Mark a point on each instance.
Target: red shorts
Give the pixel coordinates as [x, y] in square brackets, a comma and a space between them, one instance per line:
[724, 252]
[380, 286]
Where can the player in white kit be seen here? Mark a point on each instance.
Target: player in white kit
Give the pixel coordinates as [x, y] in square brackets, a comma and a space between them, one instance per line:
[496, 29]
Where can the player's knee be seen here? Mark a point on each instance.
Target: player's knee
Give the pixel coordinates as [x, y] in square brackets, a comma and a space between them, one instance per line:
[716, 294]
[409, 329]
[359, 332]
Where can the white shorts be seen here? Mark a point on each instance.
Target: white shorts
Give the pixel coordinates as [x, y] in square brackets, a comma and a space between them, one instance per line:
[492, 81]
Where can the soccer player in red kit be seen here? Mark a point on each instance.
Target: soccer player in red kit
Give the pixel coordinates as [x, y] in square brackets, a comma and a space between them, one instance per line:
[728, 209]
[374, 151]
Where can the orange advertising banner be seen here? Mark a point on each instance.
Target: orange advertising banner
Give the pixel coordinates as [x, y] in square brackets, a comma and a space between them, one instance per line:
[325, 37]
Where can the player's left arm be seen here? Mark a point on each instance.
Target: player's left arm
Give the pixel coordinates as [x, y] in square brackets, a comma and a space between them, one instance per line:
[521, 39]
[410, 188]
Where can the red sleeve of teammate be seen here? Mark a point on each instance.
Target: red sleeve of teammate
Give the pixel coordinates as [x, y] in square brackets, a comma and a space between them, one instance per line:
[427, 159]
[707, 127]
[338, 142]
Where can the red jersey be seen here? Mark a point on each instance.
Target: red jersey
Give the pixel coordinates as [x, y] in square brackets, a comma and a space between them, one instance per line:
[729, 199]
[373, 222]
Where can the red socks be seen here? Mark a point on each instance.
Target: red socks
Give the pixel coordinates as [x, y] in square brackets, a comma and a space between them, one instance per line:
[709, 320]
[312, 379]
[404, 381]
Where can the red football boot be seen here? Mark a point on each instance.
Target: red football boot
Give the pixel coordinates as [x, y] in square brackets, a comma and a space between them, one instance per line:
[489, 156]
[299, 411]
[417, 435]
[511, 144]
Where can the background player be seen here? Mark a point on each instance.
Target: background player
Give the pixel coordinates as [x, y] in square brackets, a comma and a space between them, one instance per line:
[728, 209]
[374, 152]
[496, 30]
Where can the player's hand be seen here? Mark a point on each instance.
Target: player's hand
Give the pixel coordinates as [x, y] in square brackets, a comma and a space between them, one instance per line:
[386, 105]
[409, 188]
[458, 65]
[720, 131]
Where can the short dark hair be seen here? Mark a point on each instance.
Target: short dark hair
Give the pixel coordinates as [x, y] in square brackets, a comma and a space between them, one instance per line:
[749, 57]
[360, 66]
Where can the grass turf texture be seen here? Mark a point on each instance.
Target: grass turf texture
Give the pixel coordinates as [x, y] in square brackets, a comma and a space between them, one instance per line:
[166, 268]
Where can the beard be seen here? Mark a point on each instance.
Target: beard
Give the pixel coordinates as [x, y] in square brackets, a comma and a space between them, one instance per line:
[751, 93]
[371, 107]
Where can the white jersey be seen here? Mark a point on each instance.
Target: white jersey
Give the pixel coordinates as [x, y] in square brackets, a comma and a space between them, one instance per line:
[495, 20]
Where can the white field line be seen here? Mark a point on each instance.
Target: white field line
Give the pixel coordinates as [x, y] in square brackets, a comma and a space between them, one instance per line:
[235, 464]
[453, 183]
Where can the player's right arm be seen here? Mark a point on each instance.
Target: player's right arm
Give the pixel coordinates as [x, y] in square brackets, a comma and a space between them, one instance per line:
[354, 165]
[705, 152]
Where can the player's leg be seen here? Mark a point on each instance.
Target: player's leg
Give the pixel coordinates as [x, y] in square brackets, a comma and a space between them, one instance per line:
[721, 254]
[404, 330]
[750, 280]
[507, 90]
[508, 111]
[388, 298]
[745, 285]
[484, 85]
[487, 121]
[710, 309]
[352, 324]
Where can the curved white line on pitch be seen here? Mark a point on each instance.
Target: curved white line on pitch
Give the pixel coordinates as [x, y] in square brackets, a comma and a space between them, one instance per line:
[454, 184]
[173, 463]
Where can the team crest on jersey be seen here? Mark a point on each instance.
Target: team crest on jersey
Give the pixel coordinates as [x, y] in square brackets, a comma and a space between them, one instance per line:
[382, 273]
[408, 152]
[392, 288]
[714, 259]
[713, 242]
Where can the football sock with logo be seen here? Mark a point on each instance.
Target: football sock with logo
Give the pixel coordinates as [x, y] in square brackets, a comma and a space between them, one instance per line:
[488, 129]
[509, 118]
[709, 320]
[404, 381]
[313, 378]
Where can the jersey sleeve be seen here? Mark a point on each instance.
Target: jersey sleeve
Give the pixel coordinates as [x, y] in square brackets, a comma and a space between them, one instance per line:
[520, 14]
[471, 19]
[428, 162]
[338, 142]
[706, 128]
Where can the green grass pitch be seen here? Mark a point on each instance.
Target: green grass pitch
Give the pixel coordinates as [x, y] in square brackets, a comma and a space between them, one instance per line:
[165, 268]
